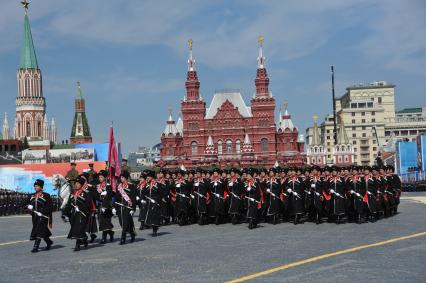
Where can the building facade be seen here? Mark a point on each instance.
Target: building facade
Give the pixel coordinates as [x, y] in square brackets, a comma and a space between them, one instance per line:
[229, 132]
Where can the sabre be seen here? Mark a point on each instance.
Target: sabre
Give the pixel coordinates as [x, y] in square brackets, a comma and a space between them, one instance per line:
[296, 195]
[79, 210]
[200, 195]
[182, 195]
[41, 214]
[123, 205]
[339, 195]
[218, 196]
[308, 192]
[152, 200]
[252, 199]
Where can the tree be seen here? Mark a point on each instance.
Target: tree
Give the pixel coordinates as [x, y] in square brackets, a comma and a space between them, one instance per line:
[26, 145]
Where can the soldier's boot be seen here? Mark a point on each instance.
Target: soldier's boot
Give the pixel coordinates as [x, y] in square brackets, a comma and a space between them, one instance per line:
[250, 224]
[318, 218]
[142, 226]
[154, 231]
[92, 237]
[217, 220]
[275, 219]
[85, 242]
[77, 245]
[49, 243]
[36, 245]
[132, 237]
[123, 238]
[111, 236]
[296, 219]
[104, 237]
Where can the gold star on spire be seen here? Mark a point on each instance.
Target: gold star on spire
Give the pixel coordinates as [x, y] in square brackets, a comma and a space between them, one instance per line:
[286, 104]
[260, 40]
[25, 4]
[190, 43]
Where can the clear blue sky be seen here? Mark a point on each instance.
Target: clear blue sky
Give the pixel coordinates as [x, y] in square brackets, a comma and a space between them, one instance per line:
[130, 55]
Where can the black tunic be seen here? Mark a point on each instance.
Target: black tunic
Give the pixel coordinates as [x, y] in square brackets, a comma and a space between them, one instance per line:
[92, 225]
[124, 207]
[273, 189]
[338, 185]
[41, 203]
[296, 195]
[154, 194]
[141, 200]
[371, 190]
[236, 192]
[357, 192]
[78, 218]
[200, 196]
[183, 190]
[316, 184]
[105, 207]
[218, 193]
[252, 195]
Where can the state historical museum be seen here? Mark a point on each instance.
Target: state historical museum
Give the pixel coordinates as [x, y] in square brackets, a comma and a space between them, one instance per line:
[229, 132]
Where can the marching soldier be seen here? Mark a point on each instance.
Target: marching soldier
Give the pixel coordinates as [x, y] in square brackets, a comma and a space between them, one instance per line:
[92, 225]
[252, 195]
[219, 195]
[296, 190]
[274, 191]
[200, 191]
[153, 194]
[370, 196]
[125, 206]
[183, 191]
[141, 200]
[41, 208]
[394, 187]
[356, 196]
[336, 186]
[78, 211]
[315, 185]
[235, 189]
[106, 195]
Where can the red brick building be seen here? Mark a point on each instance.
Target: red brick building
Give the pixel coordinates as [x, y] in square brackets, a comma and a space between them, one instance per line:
[229, 132]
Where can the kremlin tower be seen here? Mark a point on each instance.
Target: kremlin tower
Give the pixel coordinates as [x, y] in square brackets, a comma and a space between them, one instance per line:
[80, 132]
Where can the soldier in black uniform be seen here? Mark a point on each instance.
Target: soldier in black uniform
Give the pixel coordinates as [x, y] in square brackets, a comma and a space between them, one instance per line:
[295, 189]
[356, 193]
[125, 206]
[104, 205]
[78, 211]
[199, 192]
[393, 187]
[274, 191]
[370, 199]
[315, 187]
[236, 196]
[336, 186]
[253, 197]
[154, 195]
[219, 194]
[183, 190]
[141, 200]
[92, 225]
[40, 207]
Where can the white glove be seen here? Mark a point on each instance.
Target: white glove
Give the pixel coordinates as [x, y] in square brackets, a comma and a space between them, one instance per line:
[313, 186]
[249, 189]
[268, 190]
[332, 191]
[352, 191]
[143, 201]
[77, 209]
[215, 183]
[30, 207]
[197, 184]
[178, 186]
[289, 190]
[38, 213]
[132, 212]
[138, 198]
[114, 212]
[192, 196]
[103, 209]
[231, 183]
[104, 193]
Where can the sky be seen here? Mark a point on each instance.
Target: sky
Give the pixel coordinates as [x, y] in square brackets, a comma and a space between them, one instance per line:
[131, 56]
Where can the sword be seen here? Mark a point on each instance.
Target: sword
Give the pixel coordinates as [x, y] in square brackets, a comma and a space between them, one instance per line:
[182, 195]
[152, 200]
[79, 210]
[308, 192]
[123, 205]
[252, 199]
[200, 195]
[296, 195]
[339, 195]
[218, 196]
[41, 214]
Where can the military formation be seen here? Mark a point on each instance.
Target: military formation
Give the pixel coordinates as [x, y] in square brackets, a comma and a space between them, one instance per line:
[352, 194]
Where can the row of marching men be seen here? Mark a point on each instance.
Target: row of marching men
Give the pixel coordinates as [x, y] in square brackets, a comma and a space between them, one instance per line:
[355, 194]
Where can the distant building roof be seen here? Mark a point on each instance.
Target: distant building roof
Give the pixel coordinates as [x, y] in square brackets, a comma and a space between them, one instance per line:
[409, 110]
[233, 97]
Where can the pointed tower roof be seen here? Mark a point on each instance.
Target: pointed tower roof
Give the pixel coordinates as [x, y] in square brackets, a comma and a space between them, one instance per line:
[28, 55]
[262, 80]
[179, 125]
[191, 60]
[261, 59]
[210, 147]
[79, 92]
[315, 134]
[170, 126]
[342, 137]
[247, 147]
[287, 123]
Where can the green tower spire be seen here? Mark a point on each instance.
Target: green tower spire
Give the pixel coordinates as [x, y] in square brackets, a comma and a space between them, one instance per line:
[28, 55]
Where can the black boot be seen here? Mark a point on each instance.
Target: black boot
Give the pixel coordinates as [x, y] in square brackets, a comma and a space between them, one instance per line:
[77, 245]
[142, 226]
[296, 219]
[217, 221]
[92, 237]
[49, 243]
[132, 237]
[36, 245]
[104, 237]
[123, 238]
[85, 242]
[111, 236]
[154, 231]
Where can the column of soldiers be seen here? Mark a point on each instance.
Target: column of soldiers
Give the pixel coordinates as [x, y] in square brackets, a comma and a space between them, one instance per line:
[334, 194]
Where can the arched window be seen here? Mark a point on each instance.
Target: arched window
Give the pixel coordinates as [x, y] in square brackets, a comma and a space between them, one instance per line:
[39, 129]
[264, 145]
[228, 146]
[170, 149]
[219, 147]
[28, 129]
[194, 148]
[238, 146]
